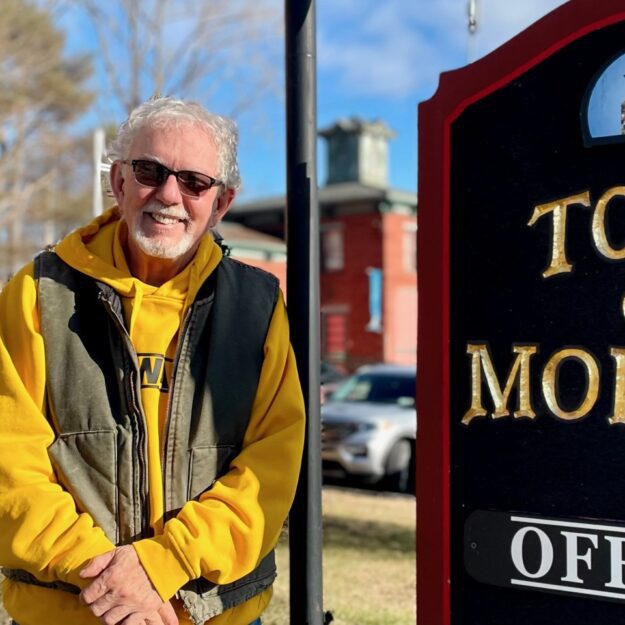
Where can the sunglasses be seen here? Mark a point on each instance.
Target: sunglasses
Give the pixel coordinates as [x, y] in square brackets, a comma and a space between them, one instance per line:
[153, 174]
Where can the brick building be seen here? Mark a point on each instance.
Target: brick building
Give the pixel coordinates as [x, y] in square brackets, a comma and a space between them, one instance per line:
[368, 249]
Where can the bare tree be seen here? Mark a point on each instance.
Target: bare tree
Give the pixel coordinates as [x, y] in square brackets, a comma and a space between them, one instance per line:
[40, 94]
[189, 48]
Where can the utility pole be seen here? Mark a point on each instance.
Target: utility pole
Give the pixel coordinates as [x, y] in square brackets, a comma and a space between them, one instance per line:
[98, 152]
[305, 524]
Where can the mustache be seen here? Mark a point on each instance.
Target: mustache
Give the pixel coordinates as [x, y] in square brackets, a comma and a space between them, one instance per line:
[175, 212]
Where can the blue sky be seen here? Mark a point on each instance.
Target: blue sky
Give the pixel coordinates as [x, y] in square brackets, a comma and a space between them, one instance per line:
[377, 59]
[380, 59]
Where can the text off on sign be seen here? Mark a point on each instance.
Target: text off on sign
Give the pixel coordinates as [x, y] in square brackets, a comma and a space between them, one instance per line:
[581, 557]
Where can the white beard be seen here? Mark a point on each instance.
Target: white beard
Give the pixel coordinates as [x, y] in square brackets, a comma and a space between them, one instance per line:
[156, 247]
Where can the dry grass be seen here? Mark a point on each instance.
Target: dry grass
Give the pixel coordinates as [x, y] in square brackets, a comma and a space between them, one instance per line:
[4, 617]
[369, 565]
[369, 570]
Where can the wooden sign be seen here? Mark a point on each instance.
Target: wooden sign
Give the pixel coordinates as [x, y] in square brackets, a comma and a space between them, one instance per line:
[521, 362]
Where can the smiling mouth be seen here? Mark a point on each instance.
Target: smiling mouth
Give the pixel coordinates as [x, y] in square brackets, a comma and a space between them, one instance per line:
[165, 220]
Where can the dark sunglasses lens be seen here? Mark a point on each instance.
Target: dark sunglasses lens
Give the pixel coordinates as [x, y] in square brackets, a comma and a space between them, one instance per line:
[149, 173]
[153, 174]
[193, 183]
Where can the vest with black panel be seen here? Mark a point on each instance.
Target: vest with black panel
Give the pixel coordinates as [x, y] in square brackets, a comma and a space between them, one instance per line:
[94, 406]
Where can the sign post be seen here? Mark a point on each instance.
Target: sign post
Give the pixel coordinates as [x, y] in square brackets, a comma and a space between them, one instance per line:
[521, 392]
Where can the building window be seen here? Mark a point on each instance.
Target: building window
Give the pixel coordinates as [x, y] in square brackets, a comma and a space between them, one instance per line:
[333, 336]
[409, 248]
[375, 299]
[332, 247]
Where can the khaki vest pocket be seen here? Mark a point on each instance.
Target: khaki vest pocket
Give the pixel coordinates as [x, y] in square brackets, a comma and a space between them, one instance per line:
[86, 466]
[205, 465]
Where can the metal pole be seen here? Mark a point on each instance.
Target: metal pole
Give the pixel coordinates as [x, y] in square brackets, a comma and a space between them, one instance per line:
[305, 526]
[473, 25]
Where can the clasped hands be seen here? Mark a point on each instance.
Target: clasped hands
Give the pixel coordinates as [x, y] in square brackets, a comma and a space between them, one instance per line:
[121, 592]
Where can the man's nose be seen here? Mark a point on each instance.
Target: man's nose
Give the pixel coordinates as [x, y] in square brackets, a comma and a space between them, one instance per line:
[169, 192]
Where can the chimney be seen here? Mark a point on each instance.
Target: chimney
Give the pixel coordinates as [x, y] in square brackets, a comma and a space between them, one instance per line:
[358, 151]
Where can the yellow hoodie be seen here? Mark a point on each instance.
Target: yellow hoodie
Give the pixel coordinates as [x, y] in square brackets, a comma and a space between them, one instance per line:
[224, 535]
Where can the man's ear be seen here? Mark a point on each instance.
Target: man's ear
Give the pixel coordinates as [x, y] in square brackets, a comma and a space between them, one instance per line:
[221, 206]
[117, 181]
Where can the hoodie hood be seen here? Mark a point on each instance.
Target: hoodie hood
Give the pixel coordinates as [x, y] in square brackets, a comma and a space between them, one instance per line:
[96, 250]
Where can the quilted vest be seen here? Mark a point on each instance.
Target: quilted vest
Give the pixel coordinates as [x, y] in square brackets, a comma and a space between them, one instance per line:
[93, 388]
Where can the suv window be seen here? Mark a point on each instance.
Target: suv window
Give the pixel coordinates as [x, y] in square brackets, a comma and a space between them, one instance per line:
[387, 389]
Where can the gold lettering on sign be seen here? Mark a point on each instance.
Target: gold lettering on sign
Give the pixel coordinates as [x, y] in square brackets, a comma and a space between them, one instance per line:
[559, 262]
[550, 374]
[618, 353]
[599, 233]
[520, 370]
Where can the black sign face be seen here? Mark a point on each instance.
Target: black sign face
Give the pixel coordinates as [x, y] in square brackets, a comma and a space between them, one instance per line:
[537, 332]
[532, 330]
[570, 557]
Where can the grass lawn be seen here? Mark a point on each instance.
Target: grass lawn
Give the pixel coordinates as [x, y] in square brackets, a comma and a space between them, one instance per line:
[369, 562]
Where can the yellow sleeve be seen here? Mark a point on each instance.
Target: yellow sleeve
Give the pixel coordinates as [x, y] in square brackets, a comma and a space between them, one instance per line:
[40, 529]
[225, 534]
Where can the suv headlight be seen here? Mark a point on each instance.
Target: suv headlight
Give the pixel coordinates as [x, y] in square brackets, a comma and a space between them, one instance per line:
[367, 426]
[357, 451]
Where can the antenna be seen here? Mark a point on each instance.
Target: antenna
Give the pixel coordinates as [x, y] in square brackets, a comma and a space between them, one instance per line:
[623, 133]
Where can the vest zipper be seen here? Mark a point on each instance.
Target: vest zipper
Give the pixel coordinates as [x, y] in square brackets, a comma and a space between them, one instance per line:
[132, 388]
[172, 386]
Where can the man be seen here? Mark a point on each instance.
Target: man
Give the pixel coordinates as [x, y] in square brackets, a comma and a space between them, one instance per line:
[151, 419]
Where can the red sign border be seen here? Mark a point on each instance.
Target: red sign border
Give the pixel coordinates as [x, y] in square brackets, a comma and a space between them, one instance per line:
[457, 90]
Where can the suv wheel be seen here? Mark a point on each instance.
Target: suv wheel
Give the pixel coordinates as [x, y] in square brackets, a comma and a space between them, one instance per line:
[398, 469]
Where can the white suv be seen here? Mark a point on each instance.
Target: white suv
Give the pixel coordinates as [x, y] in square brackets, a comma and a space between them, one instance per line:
[369, 426]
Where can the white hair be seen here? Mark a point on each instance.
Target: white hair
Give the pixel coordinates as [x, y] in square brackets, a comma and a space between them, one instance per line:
[167, 112]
